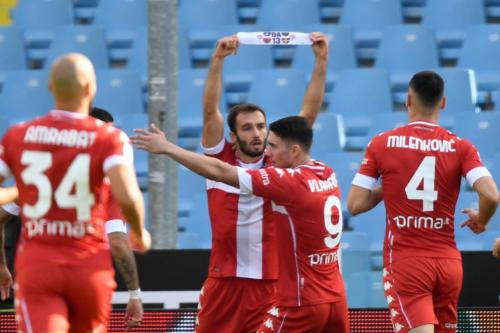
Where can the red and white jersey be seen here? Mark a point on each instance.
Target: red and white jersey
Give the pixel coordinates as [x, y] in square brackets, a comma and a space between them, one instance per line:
[421, 166]
[59, 163]
[115, 222]
[309, 226]
[243, 235]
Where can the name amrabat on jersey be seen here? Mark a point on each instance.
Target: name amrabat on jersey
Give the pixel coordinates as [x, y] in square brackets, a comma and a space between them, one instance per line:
[59, 137]
[410, 142]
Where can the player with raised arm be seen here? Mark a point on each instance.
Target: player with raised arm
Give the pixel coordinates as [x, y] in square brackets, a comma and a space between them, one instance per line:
[421, 166]
[305, 197]
[117, 235]
[243, 261]
[64, 275]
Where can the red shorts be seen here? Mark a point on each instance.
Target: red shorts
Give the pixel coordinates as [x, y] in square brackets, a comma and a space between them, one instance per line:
[318, 318]
[421, 291]
[233, 305]
[61, 297]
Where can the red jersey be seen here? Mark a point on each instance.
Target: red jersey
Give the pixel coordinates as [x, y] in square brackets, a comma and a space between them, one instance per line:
[115, 222]
[243, 236]
[59, 162]
[309, 226]
[421, 165]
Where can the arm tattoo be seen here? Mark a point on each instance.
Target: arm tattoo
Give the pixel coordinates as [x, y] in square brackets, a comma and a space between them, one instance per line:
[125, 263]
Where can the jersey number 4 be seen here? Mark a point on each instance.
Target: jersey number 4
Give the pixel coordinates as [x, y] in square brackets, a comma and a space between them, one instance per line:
[426, 172]
[76, 177]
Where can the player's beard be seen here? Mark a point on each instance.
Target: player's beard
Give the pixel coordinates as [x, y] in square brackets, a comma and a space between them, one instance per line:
[247, 149]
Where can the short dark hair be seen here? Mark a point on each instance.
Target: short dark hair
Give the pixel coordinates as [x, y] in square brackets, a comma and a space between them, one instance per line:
[294, 129]
[101, 114]
[429, 87]
[241, 108]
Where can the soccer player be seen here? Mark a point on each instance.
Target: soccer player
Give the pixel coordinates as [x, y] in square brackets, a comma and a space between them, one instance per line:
[243, 263]
[310, 293]
[117, 235]
[64, 275]
[421, 166]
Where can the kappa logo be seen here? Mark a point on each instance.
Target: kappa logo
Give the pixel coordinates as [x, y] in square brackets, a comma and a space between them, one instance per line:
[390, 299]
[384, 272]
[398, 327]
[394, 313]
[387, 285]
[269, 324]
[274, 312]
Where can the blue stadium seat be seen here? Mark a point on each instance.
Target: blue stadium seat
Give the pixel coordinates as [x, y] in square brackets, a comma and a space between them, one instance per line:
[239, 68]
[357, 95]
[12, 53]
[406, 49]
[189, 184]
[366, 290]
[345, 166]
[121, 18]
[4, 125]
[39, 17]
[341, 53]
[88, 40]
[329, 135]
[355, 253]
[480, 52]
[207, 14]
[481, 129]
[188, 240]
[127, 122]
[199, 221]
[450, 27]
[138, 57]
[279, 92]
[287, 15]
[119, 91]
[368, 18]
[25, 95]
[373, 223]
[191, 84]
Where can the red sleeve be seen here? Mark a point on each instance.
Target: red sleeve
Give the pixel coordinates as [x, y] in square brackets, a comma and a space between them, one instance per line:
[116, 149]
[223, 151]
[471, 164]
[368, 172]
[271, 183]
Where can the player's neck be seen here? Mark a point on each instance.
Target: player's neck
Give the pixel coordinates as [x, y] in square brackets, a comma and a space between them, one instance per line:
[79, 107]
[432, 117]
[301, 160]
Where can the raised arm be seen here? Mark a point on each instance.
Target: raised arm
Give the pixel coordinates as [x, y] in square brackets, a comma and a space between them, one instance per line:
[488, 203]
[213, 121]
[313, 99]
[155, 142]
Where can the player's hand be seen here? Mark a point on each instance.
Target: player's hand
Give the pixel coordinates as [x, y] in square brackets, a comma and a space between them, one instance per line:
[473, 221]
[154, 140]
[5, 282]
[226, 46]
[320, 44]
[496, 248]
[134, 313]
[142, 244]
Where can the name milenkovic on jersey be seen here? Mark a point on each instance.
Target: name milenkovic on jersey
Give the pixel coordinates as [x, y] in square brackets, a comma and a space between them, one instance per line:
[420, 222]
[59, 137]
[401, 141]
[69, 229]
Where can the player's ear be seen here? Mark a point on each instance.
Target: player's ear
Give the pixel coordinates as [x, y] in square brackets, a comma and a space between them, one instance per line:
[232, 137]
[443, 103]
[409, 100]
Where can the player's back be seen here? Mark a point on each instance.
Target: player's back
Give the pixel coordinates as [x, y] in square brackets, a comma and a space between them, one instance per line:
[59, 161]
[309, 230]
[421, 165]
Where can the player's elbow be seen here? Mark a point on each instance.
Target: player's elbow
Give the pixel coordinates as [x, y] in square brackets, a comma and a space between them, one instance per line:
[354, 206]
